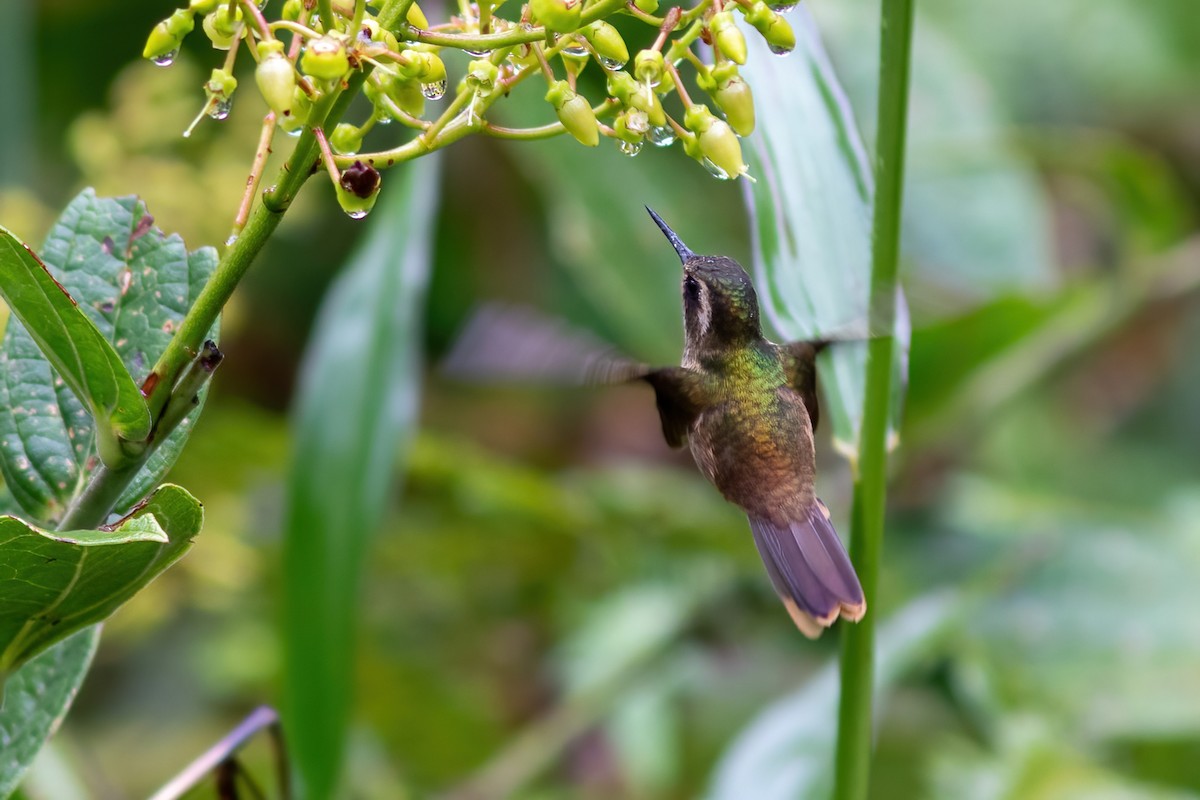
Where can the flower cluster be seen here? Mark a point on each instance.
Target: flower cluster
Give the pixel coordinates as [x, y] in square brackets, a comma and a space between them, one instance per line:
[319, 50]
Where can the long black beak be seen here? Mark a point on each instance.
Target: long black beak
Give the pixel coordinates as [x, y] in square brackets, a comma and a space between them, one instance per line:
[682, 249]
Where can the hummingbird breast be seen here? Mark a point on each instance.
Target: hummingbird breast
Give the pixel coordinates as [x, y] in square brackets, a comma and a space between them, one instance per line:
[756, 446]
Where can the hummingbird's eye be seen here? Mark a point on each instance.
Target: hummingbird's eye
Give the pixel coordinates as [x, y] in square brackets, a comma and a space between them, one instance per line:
[691, 287]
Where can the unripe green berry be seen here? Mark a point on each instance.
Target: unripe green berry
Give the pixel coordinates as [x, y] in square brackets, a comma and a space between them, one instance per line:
[221, 84]
[717, 141]
[346, 139]
[621, 85]
[646, 6]
[424, 67]
[325, 59]
[574, 113]
[731, 94]
[607, 42]
[293, 10]
[408, 95]
[648, 66]
[222, 27]
[203, 6]
[726, 37]
[561, 16]
[275, 76]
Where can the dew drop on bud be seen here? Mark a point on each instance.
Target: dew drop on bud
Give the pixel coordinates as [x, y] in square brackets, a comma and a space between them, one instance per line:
[294, 132]
[783, 7]
[165, 59]
[221, 108]
[356, 214]
[630, 149]
[575, 51]
[779, 51]
[714, 170]
[611, 64]
[433, 91]
[477, 53]
[384, 120]
[662, 136]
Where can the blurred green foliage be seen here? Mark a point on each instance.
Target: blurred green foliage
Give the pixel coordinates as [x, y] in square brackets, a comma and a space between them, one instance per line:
[558, 606]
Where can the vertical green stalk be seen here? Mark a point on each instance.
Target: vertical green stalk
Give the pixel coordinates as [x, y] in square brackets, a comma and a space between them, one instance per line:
[853, 761]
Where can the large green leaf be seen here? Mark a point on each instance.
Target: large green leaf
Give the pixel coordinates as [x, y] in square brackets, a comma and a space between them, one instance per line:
[54, 584]
[36, 699]
[976, 219]
[133, 285]
[811, 217]
[83, 358]
[355, 410]
[786, 752]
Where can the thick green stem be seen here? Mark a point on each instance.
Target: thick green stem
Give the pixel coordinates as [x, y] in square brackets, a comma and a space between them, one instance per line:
[852, 767]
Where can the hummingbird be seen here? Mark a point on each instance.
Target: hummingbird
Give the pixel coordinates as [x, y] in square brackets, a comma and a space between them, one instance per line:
[745, 406]
[747, 409]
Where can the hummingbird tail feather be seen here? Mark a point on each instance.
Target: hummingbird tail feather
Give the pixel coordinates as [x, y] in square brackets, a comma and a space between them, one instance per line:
[810, 570]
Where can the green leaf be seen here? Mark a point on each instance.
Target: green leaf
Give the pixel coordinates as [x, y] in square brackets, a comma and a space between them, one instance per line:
[54, 583]
[36, 699]
[355, 410]
[133, 285]
[811, 217]
[79, 352]
[787, 750]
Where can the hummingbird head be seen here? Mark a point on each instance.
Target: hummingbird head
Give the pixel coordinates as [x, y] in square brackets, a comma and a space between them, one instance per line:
[720, 306]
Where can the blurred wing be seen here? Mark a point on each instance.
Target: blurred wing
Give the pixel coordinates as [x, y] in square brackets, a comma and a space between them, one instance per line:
[810, 570]
[681, 394]
[504, 343]
[800, 367]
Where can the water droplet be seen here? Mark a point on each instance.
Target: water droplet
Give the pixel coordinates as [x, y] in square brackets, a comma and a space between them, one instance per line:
[384, 120]
[220, 109]
[477, 53]
[714, 170]
[782, 7]
[295, 131]
[232, 240]
[434, 91]
[575, 50]
[630, 149]
[662, 136]
[359, 214]
[611, 64]
[166, 59]
[779, 51]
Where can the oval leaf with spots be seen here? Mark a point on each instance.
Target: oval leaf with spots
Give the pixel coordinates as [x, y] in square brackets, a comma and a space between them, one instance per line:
[129, 287]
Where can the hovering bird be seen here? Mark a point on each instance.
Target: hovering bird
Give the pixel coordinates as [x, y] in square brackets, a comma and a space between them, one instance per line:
[745, 406]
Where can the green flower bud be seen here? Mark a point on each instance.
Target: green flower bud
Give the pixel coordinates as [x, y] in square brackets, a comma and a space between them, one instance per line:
[180, 23]
[294, 119]
[416, 17]
[293, 10]
[774, 28]
[346, 139]
[607, 43]
[222, 27]
[203, 6]
[646, 6]
[645, 100]
[718, 143]
[221, 84]
[726, 37]
[648, 66]
[731, 94]
[275, 76]
[408, 95]
[482, 75]
[424, 67]
[325, 59]
[358, 189]
[161, 45]
[561, 16]
[621, 85]
[574, 113]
